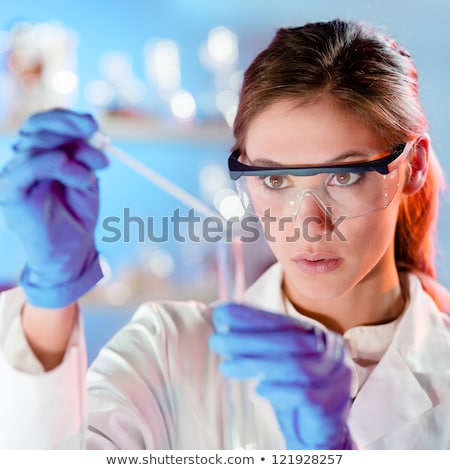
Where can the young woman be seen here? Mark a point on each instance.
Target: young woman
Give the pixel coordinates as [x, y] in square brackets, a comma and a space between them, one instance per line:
[344, 337]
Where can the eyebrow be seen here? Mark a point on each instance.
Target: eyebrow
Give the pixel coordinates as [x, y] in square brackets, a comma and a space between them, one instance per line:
[346, 156]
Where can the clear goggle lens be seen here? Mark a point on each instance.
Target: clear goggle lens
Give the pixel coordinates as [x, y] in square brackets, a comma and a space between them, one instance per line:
[339, 194]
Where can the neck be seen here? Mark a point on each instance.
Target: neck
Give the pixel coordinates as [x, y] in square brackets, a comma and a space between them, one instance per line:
[376, 299]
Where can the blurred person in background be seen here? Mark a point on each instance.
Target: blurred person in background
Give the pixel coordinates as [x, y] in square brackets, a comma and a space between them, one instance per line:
[346, 335]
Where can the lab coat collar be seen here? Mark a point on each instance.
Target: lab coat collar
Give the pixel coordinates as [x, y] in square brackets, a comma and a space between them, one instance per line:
[390, 398]
[392, 395]
[422, 336]
[266, 293]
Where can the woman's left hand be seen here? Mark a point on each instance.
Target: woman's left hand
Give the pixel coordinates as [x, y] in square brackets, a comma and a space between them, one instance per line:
[304, 372]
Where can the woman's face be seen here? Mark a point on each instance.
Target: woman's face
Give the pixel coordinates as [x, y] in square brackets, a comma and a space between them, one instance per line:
[323, 259]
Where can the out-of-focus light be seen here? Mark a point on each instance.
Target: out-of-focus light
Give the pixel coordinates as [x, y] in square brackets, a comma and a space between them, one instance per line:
[99, 93]
[212, 179]
[116, 66]
[127, 88]
[231, 206]
[161, 264]
[117, 293]
[64, 82]
[106, 269]
[222, 46]
[225, 100]
[163, 64]
[230, 115]
[221, 195]
[5, 41]
[45, 34]
[235, 81]
[133, 91]
[183, 105]
[227, 104]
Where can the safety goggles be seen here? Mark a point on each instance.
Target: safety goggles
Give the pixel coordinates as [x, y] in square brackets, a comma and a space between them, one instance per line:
[342, 190]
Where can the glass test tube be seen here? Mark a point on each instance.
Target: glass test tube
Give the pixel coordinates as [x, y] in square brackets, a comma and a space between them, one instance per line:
[239, 428]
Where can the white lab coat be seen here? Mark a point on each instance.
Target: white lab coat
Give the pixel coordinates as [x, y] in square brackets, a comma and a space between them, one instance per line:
[156, 384]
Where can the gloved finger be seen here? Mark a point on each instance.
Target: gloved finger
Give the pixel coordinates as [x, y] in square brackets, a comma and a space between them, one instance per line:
[329, 396]
[300, 432]
[296, 343]
[310, 400]
[61, 121]
[91, 157]
[21, 175]
[283, 369]
[289, 423]
[78, 149]
[85, 201]
[42, 140]
[231, 316]
[53, 216]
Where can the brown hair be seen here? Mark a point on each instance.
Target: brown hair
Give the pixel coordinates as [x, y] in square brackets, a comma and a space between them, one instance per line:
[368, 74]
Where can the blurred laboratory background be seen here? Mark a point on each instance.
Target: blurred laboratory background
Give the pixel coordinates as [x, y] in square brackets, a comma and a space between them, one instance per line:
[163, 77]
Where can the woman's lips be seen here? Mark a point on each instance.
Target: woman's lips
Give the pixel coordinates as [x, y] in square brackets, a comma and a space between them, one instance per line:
[317, 263]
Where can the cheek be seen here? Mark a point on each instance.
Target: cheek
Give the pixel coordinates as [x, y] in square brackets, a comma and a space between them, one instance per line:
[365, 238]
[371, 237]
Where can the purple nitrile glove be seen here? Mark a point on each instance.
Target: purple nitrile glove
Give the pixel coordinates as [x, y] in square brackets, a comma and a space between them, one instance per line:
[304, 372]
[49, 195]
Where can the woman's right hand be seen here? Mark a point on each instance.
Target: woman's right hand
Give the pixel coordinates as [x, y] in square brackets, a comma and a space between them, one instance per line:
[49, 195]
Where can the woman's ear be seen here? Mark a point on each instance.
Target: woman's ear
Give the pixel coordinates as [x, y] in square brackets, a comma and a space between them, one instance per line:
[418, 165]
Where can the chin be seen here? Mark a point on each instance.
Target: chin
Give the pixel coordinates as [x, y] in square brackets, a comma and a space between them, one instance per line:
[319, 292]
[316, 286]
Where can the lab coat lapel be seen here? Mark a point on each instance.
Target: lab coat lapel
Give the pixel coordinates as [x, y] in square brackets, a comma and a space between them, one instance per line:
[392, 395]
[390, 398]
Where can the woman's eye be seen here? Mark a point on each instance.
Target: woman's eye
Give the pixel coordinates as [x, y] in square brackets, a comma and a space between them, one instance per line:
[275, 181]
[345, 179]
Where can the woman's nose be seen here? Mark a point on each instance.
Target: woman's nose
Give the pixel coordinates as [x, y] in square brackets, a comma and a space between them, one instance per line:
[312, 214]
